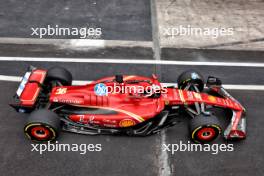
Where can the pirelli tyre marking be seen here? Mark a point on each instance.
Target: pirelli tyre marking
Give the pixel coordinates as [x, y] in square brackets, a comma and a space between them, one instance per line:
[205, 133]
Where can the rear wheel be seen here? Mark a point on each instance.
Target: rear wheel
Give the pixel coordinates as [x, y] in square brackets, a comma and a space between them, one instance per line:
[191, 79]
[204, 128]
[59, 74]
[42, 125]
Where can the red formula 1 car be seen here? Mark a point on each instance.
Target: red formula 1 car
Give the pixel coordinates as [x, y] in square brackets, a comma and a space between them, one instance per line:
[131, 105]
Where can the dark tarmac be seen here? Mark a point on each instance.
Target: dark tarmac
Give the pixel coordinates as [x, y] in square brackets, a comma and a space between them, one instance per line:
[119, 20]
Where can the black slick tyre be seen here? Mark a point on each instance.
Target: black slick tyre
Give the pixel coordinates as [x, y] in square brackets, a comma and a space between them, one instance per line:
[204, 129]
[42, 125]
[59, 74]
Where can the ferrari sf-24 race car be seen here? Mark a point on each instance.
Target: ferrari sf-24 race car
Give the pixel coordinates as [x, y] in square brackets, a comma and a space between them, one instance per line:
[55, 104]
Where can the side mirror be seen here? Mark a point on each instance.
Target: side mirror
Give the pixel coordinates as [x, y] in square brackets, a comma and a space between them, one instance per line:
[213, 81]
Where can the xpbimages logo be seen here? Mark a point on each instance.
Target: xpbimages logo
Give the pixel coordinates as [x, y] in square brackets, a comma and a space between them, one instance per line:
[57, 147]
[189, 30]
[190, 147]
[102, 89]
[83, 32]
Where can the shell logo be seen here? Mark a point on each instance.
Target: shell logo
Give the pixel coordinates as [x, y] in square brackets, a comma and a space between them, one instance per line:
[212, 98]
[126, 123]
[167, 102]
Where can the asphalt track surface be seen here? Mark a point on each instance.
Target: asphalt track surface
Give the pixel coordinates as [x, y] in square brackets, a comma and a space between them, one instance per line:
[211, 55]
[123, 155]
[119, 20]
[53, 51]
[166, 73]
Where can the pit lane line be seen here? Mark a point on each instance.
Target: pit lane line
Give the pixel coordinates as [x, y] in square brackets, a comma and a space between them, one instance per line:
[80, 82]
[73, 43]
[133, 61]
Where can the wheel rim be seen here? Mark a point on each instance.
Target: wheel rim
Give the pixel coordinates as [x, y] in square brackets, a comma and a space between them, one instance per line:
[206, 134]
[40, 132]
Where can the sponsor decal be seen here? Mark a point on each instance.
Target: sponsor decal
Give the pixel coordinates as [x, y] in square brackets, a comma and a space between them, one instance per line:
[91, 119]
[100, 89]
[190, 95]
[197, 95]
[109, 121]
[212, 98]
[110, 125]
[126, 123]
[70, 101]
[81, 118]
[61, 91]
[135, 116]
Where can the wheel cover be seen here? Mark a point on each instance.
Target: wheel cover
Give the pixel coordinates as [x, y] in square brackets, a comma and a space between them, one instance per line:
[40, 132]
[206, 133]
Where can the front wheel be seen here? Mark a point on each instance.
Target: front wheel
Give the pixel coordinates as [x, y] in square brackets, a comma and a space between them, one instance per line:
[42, 125]
[204, 128]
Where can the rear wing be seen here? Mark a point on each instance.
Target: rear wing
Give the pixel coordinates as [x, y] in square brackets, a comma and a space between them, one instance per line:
[29, 89]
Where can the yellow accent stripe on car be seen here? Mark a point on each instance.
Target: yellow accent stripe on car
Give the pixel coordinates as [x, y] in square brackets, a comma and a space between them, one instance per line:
[181, 96]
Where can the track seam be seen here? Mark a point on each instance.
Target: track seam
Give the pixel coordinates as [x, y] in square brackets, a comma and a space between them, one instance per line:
[155, 37]
[163, 158]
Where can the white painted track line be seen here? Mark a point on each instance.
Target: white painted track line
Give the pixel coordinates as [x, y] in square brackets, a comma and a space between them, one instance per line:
[10, 78]
[132, 61]
[163, 157]
[80, 82]
[75, 43]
